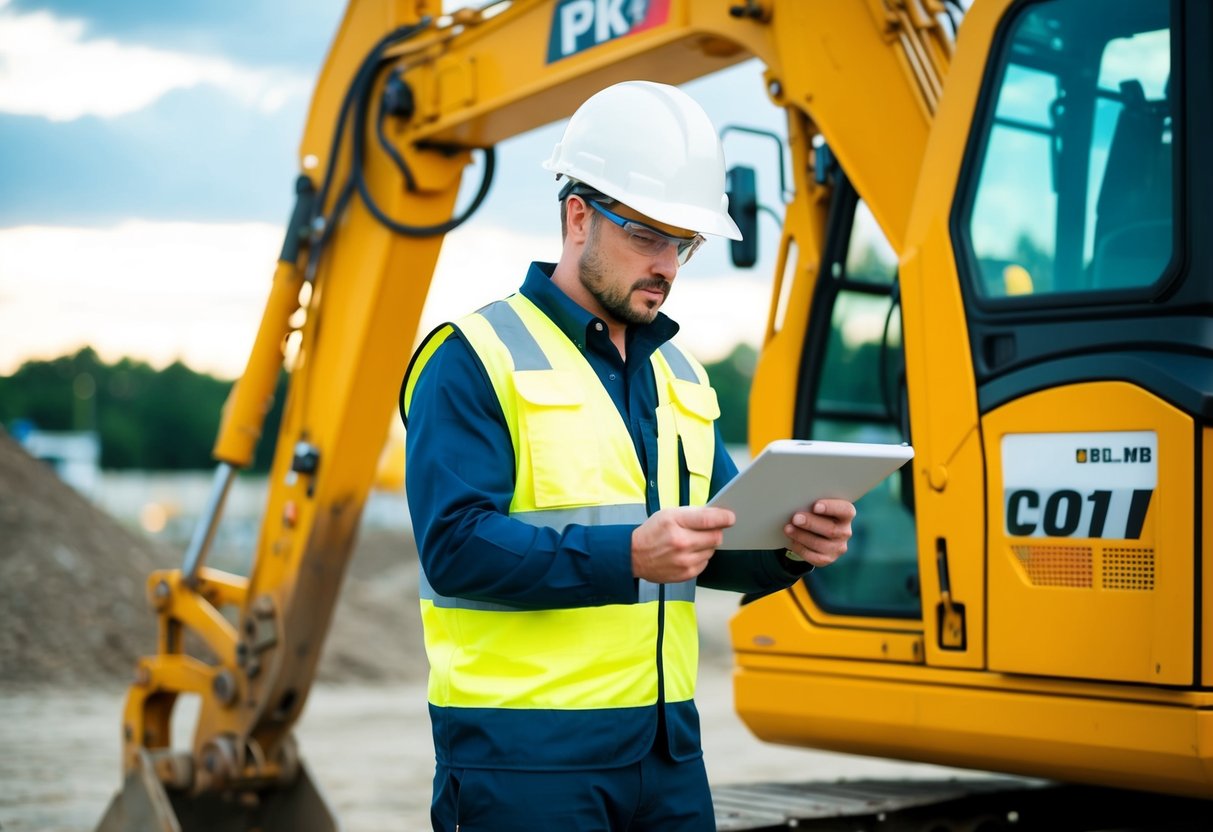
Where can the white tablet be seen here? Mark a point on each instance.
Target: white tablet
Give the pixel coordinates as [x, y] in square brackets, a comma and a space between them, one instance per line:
[790, 474]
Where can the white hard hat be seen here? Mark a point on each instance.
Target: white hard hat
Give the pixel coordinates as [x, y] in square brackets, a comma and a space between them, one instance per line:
[653, 148]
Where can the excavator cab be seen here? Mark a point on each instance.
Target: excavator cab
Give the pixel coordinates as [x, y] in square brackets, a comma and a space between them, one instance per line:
[1033, 601]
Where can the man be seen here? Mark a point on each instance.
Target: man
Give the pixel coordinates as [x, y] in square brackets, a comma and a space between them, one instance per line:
[560, 450]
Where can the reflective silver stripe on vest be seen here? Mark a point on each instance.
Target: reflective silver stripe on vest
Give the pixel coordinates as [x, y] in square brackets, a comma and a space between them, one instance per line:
[629, 514]
[524, 349]
[447, 602]
[679, 366]
[648, 592]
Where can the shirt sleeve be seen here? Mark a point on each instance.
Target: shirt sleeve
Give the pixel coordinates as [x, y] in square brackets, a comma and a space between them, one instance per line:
[460, 482]
[746, 570]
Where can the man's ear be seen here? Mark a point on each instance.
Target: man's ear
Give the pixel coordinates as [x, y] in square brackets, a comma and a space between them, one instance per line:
[578, 215]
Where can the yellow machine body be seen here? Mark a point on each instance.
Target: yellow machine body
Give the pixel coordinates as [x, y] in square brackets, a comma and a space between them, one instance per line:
[1082, 658]
[1085, 671]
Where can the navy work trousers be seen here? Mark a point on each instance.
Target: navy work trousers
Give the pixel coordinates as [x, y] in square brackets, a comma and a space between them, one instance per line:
[653, 795]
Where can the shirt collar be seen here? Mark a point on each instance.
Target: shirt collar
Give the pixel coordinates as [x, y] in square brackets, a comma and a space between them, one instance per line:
[575, 322]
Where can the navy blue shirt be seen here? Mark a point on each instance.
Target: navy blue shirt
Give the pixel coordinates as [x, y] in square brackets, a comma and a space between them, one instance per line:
[460, 479]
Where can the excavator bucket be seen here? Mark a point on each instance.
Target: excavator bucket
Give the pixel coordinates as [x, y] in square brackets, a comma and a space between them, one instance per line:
[144, 805]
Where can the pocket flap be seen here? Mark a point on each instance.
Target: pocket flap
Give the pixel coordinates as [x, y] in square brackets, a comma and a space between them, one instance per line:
[698, 399]
[549, 388]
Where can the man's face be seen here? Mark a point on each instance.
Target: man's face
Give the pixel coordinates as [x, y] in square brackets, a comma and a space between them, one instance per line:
[630, 287]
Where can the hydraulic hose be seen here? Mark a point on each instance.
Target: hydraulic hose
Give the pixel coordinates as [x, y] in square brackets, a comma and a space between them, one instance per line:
[355, 106]
[362, 77]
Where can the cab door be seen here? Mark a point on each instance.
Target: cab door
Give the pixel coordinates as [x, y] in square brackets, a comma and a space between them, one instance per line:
[853, 389]
[1055, 225]
[1089, 335]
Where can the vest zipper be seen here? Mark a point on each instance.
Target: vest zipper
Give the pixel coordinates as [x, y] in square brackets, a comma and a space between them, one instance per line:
[660, 642]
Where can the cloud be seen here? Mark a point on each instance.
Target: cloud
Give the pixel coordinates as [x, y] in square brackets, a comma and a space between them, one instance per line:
[481, 263]
[196, 155]
[161, 291]
[153, 291]
[717, 312]
[50, 68]
[281, 33]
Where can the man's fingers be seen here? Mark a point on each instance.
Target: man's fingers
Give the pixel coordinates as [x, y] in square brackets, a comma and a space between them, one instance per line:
[827, 518]
[815, 524]
[820, 533]
[812, 539]
[706, 518]
[838, 509]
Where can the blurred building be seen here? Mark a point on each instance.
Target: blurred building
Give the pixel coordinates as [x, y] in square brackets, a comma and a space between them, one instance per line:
[75, 455]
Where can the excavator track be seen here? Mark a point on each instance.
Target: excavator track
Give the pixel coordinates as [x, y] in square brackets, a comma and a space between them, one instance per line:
[955, 805]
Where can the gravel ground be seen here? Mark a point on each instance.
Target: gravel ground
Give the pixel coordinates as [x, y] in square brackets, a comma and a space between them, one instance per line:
[75, 618]
[368, 746]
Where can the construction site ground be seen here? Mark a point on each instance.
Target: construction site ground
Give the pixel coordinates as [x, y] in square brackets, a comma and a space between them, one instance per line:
[74, 619]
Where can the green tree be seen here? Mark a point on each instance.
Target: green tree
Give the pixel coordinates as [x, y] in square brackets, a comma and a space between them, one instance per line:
[146, 418]
[732, 377]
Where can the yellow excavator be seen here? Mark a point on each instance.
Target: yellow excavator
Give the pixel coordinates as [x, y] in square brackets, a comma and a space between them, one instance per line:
[1028, 596]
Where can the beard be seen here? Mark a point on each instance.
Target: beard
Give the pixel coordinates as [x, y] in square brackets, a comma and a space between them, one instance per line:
[616, 300]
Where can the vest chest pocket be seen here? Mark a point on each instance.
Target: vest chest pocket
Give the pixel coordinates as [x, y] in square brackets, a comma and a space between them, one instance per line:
[558, 445]
[696, 409]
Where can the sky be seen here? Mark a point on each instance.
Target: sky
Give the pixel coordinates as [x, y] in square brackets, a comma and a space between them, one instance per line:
[150, 151]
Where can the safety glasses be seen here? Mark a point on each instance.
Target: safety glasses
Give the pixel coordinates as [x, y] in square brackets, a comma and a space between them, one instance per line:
[647, 240]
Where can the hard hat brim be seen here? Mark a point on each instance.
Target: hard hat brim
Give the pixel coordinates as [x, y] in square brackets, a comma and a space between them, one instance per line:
[691, 217]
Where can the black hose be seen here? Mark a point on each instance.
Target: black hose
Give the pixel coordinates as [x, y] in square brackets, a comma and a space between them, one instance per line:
[883, 360]
[364, 191]
[355, 90]
[406, 173]
[355, 106]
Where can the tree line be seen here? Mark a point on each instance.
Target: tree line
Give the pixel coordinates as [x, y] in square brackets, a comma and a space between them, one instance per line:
[167, 419]
[145, 418]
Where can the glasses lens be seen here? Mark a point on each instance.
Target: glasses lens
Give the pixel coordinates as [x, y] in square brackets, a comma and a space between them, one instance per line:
[649, 241]
[644, 241]
[686, 248]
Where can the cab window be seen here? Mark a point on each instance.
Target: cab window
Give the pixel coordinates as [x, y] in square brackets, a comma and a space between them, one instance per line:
[860, 397]
[1074, 187]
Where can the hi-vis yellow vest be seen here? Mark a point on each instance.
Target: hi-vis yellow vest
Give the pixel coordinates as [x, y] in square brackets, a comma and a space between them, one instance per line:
[575, 463]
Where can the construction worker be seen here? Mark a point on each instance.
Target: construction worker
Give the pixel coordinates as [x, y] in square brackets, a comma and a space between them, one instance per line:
[560, 451]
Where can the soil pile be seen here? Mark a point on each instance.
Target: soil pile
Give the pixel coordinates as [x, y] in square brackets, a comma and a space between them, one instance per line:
[73, 608]
[376, 631]
[71, 580]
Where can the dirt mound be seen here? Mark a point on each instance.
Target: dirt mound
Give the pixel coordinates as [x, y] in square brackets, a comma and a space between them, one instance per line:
[376, 630]
[73, 602]
[71, 580]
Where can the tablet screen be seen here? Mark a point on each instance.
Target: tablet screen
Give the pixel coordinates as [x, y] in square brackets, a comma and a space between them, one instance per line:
[790, 474]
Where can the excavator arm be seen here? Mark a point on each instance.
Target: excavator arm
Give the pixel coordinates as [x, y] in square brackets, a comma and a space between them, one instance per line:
[406, 100]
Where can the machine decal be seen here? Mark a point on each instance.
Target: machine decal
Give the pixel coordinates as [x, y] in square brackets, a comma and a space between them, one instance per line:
[1097, 485]
[578, 25]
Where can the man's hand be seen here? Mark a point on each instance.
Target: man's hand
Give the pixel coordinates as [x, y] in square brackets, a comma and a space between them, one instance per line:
[819, 536]
[675, 544]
